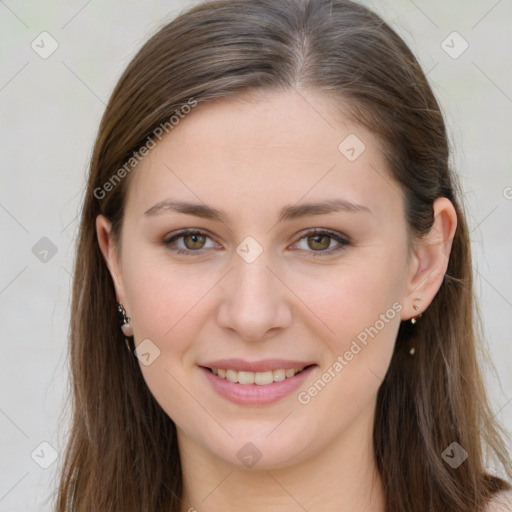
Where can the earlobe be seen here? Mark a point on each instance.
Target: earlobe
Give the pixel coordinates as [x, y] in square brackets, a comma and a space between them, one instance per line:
[430, 261]
[110, 252]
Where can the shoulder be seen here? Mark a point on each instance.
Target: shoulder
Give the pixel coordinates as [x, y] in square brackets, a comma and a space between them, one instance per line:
[502, 502]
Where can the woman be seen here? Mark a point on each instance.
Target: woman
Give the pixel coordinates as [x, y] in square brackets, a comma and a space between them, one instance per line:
[272, 216]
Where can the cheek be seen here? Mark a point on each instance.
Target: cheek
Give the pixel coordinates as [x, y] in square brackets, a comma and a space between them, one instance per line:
[166, 302]
[168, 308]
[364, 320]
[359, 306]
[353, 295]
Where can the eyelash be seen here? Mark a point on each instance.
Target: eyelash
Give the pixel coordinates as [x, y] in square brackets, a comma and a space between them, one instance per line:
[342, 240]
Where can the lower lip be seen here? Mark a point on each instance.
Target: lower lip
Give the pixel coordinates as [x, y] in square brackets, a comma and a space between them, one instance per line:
[253, 394]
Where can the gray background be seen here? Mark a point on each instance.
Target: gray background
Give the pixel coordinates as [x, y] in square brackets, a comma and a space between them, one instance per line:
[50, 110]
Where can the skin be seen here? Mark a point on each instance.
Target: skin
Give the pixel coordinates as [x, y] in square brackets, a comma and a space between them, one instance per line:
[250, 156]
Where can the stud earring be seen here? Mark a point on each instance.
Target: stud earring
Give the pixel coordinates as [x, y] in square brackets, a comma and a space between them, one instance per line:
[416, 308]
[124, 321]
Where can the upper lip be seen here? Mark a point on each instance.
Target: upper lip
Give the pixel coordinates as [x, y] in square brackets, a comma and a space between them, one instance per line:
[255, 366]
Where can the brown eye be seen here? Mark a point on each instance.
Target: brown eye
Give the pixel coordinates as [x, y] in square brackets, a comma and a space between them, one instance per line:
[189, 243]
[194, 241]
[319, 242]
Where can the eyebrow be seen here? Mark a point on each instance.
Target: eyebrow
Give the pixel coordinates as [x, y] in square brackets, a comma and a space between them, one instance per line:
[287, 213]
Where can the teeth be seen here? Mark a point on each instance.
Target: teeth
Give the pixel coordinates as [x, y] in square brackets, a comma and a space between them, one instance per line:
[231, 375]
[259, 378]
[262, 378]
[280, 375]
[246, 377]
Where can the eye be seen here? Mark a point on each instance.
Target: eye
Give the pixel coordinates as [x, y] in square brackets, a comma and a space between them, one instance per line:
[189, 242]
[320, 242]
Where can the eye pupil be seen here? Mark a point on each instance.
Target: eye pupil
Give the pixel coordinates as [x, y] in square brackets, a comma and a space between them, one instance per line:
[317, 240]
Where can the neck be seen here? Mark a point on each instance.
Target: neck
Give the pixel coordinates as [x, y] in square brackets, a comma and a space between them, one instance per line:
[342, 477]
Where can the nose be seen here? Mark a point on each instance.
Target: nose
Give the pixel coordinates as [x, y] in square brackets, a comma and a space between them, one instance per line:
[255, 302]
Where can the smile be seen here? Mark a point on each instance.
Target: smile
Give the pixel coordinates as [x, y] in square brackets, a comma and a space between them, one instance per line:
[256, 384]
[258, 378]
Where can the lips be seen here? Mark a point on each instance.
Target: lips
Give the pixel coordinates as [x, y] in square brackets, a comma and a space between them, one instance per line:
[256, 383]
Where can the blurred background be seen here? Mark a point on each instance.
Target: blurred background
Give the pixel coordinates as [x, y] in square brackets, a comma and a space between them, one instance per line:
[59, 63]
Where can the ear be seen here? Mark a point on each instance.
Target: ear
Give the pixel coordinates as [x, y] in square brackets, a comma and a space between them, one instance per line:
[110, 253]
[431, 254]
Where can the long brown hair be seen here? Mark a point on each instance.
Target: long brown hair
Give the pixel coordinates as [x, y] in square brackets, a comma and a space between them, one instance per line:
[122, 451]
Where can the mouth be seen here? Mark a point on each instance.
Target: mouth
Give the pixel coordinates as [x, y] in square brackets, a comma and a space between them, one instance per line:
[257, 378]
[256, 384]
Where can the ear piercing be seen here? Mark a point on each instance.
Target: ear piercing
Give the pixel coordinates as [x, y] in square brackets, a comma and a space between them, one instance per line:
[124, 321]
[412, 349]
[416, 308]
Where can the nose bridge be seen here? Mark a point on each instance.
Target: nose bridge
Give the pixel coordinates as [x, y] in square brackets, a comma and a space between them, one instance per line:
[253, 279]
[254, 300]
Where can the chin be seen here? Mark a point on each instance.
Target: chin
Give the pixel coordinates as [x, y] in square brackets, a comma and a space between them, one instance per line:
[262, 445]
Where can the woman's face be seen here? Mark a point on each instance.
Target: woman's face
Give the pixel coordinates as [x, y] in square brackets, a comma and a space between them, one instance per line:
[299, 259]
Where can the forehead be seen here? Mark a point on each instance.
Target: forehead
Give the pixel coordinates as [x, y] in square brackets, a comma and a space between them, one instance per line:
[271, 148]
[275, 121]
